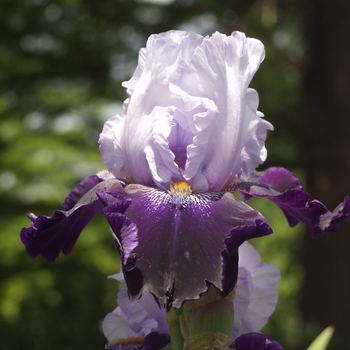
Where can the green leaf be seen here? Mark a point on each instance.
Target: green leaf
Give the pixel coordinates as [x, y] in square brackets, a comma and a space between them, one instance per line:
[322, 341]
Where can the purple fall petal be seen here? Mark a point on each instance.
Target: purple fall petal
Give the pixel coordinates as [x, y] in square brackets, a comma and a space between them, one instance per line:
[284, 189]
[80, 190]
[329, 221]
[169, 239]
[256, 341]
[48, 236]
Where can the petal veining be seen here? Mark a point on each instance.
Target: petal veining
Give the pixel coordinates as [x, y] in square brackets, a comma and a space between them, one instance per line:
[191, 231]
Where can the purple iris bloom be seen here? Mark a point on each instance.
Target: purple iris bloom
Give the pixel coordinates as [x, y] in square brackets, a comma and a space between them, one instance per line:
[190, 137]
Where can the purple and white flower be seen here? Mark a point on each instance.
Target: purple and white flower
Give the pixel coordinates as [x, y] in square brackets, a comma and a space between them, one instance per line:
[190, 136]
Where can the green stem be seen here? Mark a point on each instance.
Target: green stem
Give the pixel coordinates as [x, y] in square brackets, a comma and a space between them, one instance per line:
[177, 339]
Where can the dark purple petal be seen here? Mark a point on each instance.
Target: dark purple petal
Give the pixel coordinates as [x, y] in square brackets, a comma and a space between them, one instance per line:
[230, 255]
[285, 189]
[256, 341]
[49, 236]
[80, 190]
[156, 341]
[280, 179]
[329, 221]
[175, 242]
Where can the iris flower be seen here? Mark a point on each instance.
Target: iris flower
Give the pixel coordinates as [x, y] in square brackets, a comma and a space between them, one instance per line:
[190, 137]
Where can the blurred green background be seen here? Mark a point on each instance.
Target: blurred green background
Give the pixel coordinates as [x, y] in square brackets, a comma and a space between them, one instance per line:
[61, 66]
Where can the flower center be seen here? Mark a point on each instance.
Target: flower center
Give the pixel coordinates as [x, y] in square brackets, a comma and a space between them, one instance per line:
[180, 189]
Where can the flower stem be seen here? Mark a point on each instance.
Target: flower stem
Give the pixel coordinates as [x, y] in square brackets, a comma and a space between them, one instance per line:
[177, 339]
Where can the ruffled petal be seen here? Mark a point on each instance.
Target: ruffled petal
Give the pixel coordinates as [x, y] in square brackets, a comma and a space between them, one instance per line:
[144, 144]
[230, 256]
[284, 188]
[256, 294]
[143, 315]
[111, 147]
[193, 231]
[229, 133]
[190, 113]
[48, 236]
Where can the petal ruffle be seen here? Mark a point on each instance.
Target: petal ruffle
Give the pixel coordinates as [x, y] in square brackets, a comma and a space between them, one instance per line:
[198, 235]
[142, 316]
[190, 113]
[213, 106]
[284, 189]
[256, 294]
[48, 236]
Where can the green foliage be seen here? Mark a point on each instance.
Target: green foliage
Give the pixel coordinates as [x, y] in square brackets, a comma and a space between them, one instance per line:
[322, 341]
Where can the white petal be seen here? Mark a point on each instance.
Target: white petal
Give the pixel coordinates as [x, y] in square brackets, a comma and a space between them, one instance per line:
[131, 318]
[111, 146]
[217, 77]
[115, 326]
[258, 283]
[190, 115]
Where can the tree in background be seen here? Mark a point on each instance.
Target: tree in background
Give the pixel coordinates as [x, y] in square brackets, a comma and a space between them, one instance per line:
[327, 145]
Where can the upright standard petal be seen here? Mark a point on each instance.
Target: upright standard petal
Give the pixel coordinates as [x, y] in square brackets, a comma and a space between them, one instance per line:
[228, 132]
[199, 236]
[190, 113]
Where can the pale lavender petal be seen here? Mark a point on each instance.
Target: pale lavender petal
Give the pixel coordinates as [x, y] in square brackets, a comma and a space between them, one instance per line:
[144, 315]
[234, 143]
[116, 325]
[256, 294]
[111, 147]
[143, 143]
[190, 113]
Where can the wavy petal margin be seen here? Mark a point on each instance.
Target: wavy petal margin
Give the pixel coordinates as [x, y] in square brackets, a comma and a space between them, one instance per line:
[284, 189]
[48, 236]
